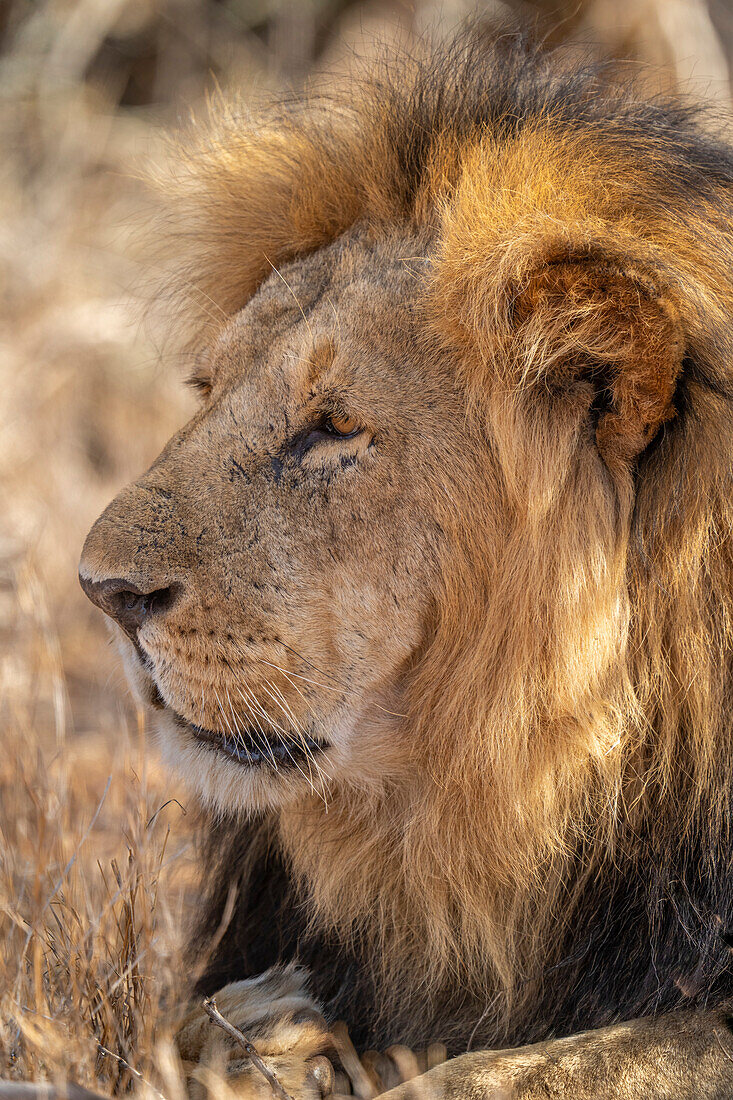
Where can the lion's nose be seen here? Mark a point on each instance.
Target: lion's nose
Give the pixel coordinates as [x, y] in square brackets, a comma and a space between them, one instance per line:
[126, 603]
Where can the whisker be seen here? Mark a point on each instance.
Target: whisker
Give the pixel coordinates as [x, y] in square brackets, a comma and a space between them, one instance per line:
[343, 687]
[295, 297]
[234, 736]
[298, 729]
[195, 295]
[267, 717]
[201, 293]
[300, 676]
[308, 780]
[264, 746]
[285, 733]
[322, 773]
[267, 746]
[235, 720]
[292, 684]
[284, 708]
[338, 319]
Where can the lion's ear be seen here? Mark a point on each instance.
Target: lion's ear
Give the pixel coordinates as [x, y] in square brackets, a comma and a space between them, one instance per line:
[589, 318]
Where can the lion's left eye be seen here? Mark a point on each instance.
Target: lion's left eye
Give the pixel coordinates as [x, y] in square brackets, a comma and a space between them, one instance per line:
[342, 426]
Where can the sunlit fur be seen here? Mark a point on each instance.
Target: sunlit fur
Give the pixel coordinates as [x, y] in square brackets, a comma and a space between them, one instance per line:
[575, 691]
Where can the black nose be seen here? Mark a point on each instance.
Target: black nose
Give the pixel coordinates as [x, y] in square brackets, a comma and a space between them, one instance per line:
[126, 603]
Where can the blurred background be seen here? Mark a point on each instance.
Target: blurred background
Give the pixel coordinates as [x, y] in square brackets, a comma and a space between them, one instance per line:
[96, 844]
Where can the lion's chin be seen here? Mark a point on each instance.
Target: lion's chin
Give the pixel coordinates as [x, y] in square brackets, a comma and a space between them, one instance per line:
[234, 774]
[226, 777]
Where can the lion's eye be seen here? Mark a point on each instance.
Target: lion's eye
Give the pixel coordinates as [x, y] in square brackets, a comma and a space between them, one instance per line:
[201, 382]
[342, 426]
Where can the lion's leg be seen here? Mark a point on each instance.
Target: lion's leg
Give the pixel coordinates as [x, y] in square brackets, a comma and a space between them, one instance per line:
[680, 1056]
[283, 1023]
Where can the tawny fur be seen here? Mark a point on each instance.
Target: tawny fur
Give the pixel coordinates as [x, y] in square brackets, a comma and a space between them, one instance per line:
[571, 691]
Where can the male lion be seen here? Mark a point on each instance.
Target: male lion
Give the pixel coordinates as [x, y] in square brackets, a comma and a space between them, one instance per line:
[433, 597]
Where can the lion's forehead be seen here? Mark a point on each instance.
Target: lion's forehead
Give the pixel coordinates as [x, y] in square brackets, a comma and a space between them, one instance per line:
[347, 310]
[358, 280]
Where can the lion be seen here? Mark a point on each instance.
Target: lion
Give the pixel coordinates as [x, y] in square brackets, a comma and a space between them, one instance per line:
[432, 598]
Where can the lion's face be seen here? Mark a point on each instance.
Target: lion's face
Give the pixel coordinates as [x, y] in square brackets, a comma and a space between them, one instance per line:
[273, 572]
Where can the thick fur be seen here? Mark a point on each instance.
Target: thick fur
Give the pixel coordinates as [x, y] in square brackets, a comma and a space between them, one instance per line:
[536, 838]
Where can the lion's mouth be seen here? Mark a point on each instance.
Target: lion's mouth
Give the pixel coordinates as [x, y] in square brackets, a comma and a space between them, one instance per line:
[252, 748]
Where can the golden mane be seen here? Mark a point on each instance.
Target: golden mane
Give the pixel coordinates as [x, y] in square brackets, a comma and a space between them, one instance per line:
[583, 636]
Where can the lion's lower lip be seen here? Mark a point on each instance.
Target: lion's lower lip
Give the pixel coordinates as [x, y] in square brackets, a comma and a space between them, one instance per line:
[252, 748]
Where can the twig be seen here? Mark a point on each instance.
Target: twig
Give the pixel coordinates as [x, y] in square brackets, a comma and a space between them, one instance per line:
[135, 1072]
[216, 1017]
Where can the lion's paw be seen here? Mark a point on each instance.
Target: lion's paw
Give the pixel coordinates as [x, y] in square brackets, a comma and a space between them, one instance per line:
[284, 1024]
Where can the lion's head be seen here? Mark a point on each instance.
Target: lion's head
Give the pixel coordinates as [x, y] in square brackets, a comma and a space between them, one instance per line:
[441, 569]
[275, 571]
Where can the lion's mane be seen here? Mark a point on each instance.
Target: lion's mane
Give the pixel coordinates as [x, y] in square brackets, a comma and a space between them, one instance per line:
[570, 857]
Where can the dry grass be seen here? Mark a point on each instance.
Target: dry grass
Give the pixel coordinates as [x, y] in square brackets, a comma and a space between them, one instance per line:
[95, 869]
[92, 883]
[97, 853]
